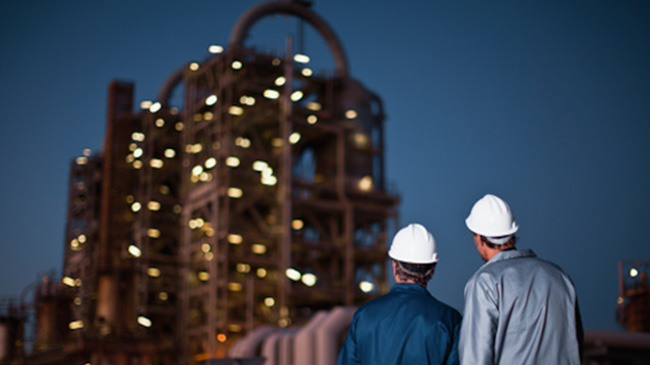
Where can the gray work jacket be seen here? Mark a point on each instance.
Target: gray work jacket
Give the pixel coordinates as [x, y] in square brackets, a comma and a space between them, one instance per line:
[520, 309]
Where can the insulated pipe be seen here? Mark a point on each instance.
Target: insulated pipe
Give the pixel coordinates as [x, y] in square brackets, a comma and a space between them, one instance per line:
[329, 332]
[292, 8]
[304, 342]
[250, 345]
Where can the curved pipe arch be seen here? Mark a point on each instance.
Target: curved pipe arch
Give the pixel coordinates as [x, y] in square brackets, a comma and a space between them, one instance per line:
[165, 92]
[292, 8]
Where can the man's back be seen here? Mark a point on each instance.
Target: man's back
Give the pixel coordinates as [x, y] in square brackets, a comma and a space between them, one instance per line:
[406, 326]
[520, 309]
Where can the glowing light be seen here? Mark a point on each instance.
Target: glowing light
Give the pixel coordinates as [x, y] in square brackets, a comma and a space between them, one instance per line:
[82, 238]
[68, 281]
[235, 110]
[634, 272]
[144, 321]
[153, 233]
[154, 272]
[271, 94]
[293, 274]
[313, 105]
[215, 49]
[156, 163]
[232, 161]
[155, 107]
[235, 193]
[210, 163]
[366, 286]
[194, 148]
[197, 170]
[243, 142]
[361, 140]
[351, 114]
[301, 58]
[234, 328]
[294, 138]
[145, 104]
[205, 176]
[236, 65]
[260, 165]
[163, 296]
[247, 100]
[179, 126]
[234, 286]
[160, 122]
[76, 325]
[136, 206]
[153, 206]
[203, 276]
[243, 268]
[277, 142]
[365, 184]
[297, 224]
[137, 164]
[170, 153]
[296, 95]
[135, 251]
[194, 66]
[211, 100]
[269, 302]
[312, 119]
[258, 249]
[309, 279]
[307, 72]
[281, 80]
[137, 153]
[86, 152]
[209, 256]
[235, 239]
[221, 337]
[208, 115]
[81, 160]
[137, 136]
[269, 180]
[261, 273]
[620, 300]
[205, 247]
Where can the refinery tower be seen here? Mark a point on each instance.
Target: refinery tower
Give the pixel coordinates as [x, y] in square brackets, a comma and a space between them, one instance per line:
[258, 201]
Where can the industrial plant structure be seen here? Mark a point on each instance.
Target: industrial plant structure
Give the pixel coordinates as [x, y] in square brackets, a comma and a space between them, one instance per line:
[249, 220]
[260, 200]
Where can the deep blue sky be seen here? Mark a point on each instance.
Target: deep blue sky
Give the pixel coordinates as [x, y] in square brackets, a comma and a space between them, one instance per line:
[546, 104]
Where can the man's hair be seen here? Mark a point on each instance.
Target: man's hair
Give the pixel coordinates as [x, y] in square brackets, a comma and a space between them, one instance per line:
[510, 244]
[418, 273]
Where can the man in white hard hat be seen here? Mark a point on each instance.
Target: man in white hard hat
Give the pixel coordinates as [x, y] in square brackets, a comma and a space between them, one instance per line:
[519, 309]
[407, 325]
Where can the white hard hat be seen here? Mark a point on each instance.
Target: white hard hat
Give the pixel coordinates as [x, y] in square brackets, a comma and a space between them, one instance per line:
[491, 217]
[414, 244]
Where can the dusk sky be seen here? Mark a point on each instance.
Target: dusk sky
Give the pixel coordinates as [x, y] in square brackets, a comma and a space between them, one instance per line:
[545, 104]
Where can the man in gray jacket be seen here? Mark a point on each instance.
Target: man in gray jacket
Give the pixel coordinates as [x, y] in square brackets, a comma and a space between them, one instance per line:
[519, 309]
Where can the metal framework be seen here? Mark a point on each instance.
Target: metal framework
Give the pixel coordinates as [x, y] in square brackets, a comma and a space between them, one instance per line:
[260, 201]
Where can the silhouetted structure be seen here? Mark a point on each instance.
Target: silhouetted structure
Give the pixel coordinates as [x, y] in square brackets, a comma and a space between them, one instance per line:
[260, 200]
[633, 310]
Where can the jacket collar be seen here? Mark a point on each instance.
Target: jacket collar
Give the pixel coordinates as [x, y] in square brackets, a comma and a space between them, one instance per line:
[512, 254]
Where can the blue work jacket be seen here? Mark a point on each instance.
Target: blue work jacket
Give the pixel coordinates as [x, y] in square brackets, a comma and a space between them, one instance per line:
[405, 326]
[520, 309]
